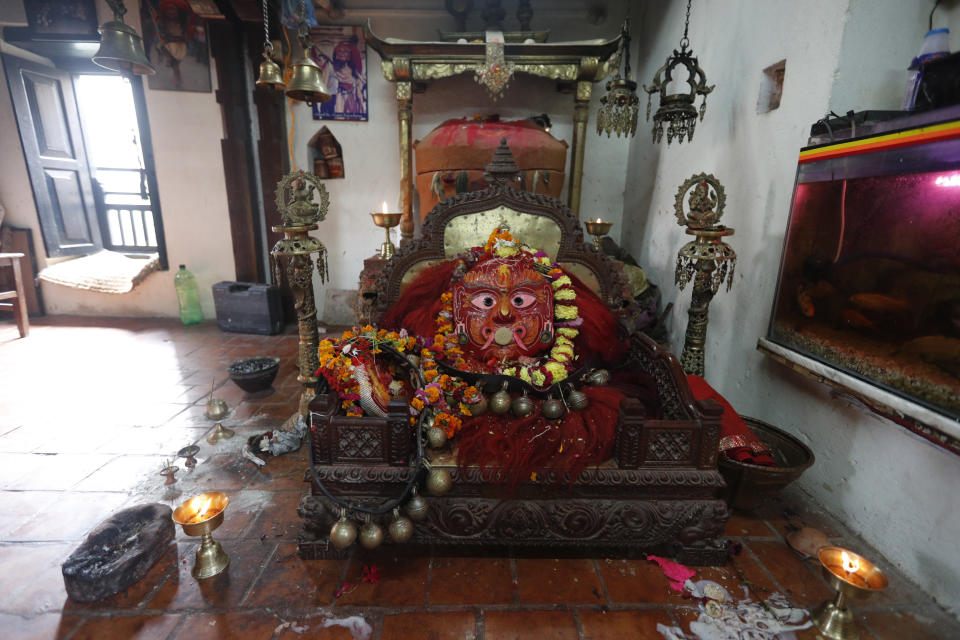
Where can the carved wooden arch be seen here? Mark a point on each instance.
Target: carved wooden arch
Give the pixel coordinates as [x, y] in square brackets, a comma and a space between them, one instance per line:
[502, 173]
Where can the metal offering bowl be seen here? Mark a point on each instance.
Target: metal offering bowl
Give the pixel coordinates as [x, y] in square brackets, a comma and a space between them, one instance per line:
[386, 220]
[211, 559]
[833, 618]
[217, 409]
[595, 228]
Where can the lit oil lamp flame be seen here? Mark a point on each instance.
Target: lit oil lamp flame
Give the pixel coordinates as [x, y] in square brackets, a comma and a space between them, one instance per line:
[385, 206]
[851, 564]
[599, 220]
[200, 513]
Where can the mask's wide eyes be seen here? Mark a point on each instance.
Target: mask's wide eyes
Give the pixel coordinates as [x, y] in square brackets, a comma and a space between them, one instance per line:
[522, 300]
[484, 301]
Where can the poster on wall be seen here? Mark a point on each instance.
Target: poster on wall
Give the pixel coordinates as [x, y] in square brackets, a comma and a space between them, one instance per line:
[341, 53]
[74, 18]
[176, 44]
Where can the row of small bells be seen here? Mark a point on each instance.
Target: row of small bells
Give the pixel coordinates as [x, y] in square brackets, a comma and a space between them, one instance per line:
[344, 532]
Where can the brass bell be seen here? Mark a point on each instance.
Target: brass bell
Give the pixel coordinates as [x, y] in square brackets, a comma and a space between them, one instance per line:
[552, 409]
[478, 408]
[500, 402]
[401, 529]
[439, 482]
[414, 360]
[577, 400]
[121, 49]
[306, 84]
[417, 508]
[436, 437]
[522, 406]
[598, 377]
[270, 73]
[371, 535]
[343, 533]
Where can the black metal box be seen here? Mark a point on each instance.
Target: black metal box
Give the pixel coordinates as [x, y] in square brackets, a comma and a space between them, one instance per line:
[248, 307]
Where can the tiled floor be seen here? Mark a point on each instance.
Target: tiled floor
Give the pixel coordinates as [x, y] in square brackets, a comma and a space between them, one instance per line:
[91, 409]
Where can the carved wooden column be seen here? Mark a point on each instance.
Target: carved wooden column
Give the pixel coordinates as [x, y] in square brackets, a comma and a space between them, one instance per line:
[405, 122]
[581, 109]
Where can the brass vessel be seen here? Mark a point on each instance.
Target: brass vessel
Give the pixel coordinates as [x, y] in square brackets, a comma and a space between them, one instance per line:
[387, 221]
[833, 618]
[193, 516]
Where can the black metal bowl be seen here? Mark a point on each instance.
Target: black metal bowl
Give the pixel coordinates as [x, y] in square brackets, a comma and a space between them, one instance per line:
[254, 374]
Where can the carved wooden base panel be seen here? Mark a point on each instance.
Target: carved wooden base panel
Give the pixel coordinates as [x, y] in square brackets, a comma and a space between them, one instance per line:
[689, 530]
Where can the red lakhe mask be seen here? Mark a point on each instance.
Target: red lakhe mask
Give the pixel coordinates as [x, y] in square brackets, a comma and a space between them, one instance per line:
[503, 310]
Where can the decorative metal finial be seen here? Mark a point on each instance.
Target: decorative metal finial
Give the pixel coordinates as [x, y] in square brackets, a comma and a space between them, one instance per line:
[619, 108]
[677, 109]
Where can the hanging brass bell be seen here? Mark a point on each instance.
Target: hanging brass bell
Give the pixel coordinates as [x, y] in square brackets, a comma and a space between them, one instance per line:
[371, 535]
[436, 437]
[478, 408]
[500, 402]
[598, 377]
[306, 84]
[121, 49]
[417, 508]
[271, 75]
[552, 409]
[343, 533]
[522, 406]
[401, 529]
[439, 482]
[577, 400]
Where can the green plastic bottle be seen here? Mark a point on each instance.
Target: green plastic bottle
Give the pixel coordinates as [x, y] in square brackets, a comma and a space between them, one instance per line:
[188, 296]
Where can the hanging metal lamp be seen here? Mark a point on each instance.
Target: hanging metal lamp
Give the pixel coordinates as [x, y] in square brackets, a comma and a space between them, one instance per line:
[270, 73]
[306, 83]
[619, 108]
[677, 110]
[121, 47]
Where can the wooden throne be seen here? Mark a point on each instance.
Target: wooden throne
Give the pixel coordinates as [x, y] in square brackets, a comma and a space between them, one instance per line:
[659, 493]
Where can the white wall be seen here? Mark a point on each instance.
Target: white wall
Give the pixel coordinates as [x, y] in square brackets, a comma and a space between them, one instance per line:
[371, 152]
[186, 129]
[894, 489]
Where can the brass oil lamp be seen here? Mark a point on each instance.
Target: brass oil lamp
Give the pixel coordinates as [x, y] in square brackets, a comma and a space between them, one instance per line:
[851, 576]
[200, 516]
[386, 221]
[597, 228]
[677, 110]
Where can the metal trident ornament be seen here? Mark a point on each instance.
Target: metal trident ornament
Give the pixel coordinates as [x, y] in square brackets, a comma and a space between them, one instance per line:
[707, 260]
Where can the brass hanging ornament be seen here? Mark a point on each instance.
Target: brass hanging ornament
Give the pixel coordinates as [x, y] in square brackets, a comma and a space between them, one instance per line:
[371, 535]
[401, 529]
[306, 83]
[344, 532]
[500, 402]
[619, 108]
[439, 482]
[417, 509]
[270, 73]
[677, 110]
[436, 437]
[121, 47]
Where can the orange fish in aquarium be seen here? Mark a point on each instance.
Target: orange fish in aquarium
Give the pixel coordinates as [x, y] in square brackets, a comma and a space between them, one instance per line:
[870, 273]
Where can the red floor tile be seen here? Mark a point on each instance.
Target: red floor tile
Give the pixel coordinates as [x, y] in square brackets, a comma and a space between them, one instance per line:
[128, 628]
[452, 625]
[225, 590]
[801, 581]
[524, 625]
[229, 626]
[619, 625]
[743, 524]
[552, 581]
[471, 581]
[31, 582]
[915, 625]
[290, 581]
[70, 516]
[278, 518]
[402, 579]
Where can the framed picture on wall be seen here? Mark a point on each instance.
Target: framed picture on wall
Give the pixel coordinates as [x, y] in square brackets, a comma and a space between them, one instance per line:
[74, 19]
[341, 53]
[175, 40]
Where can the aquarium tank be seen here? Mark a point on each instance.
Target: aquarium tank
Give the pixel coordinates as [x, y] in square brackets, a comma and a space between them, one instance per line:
[870, 274]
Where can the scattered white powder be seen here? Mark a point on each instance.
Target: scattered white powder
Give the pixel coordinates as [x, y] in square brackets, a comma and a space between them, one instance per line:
[357, 626]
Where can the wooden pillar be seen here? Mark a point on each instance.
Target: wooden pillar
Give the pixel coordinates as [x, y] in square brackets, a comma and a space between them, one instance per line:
[581, 109]
[405, 132]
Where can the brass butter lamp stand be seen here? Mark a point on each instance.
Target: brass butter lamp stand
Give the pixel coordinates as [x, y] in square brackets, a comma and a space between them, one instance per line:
[387, 221]
[851, 576]
[217, 410]
[707, 260]
[295, 198]
[201, 516]
[597, 228]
